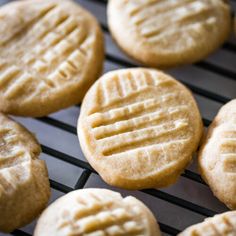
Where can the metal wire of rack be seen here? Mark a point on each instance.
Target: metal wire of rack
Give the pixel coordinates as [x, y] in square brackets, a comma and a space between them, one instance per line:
[213, 83]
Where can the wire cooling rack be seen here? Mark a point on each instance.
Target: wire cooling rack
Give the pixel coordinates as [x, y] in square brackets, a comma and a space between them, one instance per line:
[189, 201]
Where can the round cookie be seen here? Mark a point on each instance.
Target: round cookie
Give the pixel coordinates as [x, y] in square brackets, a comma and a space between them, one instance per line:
[100, 212]
[169, 33]
[24, 184]
[217, 156]
[51, 51]
[138, 128]
[221, 225]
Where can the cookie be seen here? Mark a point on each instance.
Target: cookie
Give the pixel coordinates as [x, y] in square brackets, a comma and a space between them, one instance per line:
[138, 128]
[169, 33]
[217, 157]
[51, 51]
[24, 184]
[221, 225]
[97, 212]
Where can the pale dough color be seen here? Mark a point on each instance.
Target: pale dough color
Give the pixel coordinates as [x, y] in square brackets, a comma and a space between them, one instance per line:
[51, 51]
[219, 225]
[169, 33]
[217, 157]
[97, 212]
[24, 184]
[138, 128]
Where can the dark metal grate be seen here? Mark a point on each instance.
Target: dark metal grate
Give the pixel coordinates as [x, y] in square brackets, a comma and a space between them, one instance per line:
[189, 201]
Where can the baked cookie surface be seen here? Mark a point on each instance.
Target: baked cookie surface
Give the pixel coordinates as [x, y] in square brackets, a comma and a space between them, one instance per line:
[169, 33]
[24, 184]
[217, 157]
[51, 51]
[221, 225]
[97, 212]
[138, 128]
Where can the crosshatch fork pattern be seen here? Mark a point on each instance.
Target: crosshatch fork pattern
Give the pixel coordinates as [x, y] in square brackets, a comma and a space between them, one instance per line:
[214, 85]
[59, 44]
[126, 108]
[143, 15]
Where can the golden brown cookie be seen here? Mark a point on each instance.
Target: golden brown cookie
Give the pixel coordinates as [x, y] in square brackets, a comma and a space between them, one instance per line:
[24, 185]
[217, 157]
[169, 33]
[97, 212]
[138, 128]
[51, 51]
[220, 225]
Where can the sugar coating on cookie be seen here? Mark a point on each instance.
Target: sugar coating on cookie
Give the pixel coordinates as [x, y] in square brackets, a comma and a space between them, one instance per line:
[97, 212]
[217, 157]
[169, 33]
[24, 184]
[221, 224]
[51, 51]
[138, 128]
